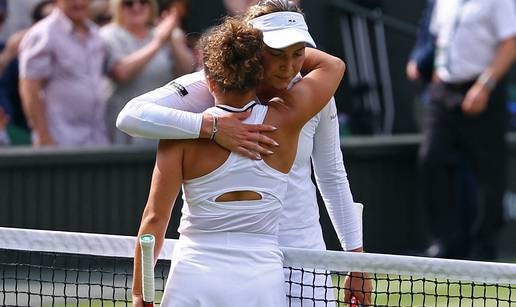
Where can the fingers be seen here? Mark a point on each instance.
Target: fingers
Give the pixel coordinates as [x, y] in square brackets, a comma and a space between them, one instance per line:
[260, 128]
[244, 139]
[347, 296]
[467, 103]
[256, 148]
[469, 107]
[248, 147]
[249, 127]
[358, 285]
[362, 299]
[246, 153]
[260, 138]
[358, 298]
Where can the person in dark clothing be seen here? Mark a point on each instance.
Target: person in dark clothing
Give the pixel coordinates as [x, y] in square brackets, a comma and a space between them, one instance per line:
[465, 125]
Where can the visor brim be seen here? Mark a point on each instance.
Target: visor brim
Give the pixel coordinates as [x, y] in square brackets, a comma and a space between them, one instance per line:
[283, 38]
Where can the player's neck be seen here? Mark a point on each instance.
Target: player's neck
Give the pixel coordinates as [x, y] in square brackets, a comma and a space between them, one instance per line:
[234, 99]
[267, 93]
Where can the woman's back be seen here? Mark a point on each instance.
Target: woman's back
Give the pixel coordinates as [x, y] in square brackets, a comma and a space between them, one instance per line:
[229, 228]
[228, 192]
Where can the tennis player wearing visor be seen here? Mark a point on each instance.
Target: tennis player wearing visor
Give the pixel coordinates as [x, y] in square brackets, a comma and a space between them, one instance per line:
[175, 112]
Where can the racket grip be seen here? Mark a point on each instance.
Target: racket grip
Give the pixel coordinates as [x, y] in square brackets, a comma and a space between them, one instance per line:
[147, 242]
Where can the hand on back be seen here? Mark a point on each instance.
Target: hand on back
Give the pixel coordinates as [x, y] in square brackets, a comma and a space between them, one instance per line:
[244, 139]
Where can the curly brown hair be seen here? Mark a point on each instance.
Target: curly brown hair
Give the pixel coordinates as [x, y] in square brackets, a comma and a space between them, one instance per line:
[231, 55]
[265, 7]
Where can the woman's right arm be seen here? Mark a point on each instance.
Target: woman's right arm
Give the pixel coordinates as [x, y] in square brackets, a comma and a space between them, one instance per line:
[309, 96]
[174, 112]
[169, 112]
[166, 182]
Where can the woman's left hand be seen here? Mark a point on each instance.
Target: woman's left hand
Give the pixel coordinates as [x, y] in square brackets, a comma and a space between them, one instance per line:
[244, 139]
[358, 285]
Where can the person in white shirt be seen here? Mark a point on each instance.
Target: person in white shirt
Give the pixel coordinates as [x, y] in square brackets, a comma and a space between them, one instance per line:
[465, 125]
[227, 253]
[141, 57]
[174, 112]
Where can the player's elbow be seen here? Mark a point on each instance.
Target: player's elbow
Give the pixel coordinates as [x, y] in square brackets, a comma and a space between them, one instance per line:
[153, 219]
[125, 119]
[122, 120]
[340, 66]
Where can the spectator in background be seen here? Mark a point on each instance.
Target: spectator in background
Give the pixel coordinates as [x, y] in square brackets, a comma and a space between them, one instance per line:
[61, 61]
[20, 12]
[100, 12]
[5, 104]
[4, 120]
[181, 6]
[140, 56]
[183, 55]
[10, 52]
[9, 67]
[193, 41]
[420, 66]
[238, 7]
[466, 124]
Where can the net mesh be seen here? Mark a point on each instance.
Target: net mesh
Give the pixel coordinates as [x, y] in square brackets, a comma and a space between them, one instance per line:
[48, 268]
[31, 278]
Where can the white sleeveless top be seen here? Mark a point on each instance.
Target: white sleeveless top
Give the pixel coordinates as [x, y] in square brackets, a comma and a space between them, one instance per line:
[201, 213]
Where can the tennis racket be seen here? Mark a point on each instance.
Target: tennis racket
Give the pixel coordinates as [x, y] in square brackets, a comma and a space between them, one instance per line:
[147, 242]
[354, 302]
[359, 208]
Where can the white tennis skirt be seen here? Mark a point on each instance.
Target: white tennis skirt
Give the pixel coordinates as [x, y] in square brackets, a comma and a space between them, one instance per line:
[225, 270]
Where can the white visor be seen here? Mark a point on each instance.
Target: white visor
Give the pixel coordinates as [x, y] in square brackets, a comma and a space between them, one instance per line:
[283, 29]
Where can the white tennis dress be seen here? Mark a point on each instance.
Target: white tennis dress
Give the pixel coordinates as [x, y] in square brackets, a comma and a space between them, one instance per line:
[227, 254]
[167, 113]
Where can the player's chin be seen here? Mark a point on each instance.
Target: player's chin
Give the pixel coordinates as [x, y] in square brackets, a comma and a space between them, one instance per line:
[281, 84]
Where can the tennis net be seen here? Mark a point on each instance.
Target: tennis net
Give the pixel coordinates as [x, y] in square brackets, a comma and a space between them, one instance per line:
[51, 268]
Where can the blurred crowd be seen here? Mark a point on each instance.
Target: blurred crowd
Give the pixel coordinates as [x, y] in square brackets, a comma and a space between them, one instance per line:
[65, 75]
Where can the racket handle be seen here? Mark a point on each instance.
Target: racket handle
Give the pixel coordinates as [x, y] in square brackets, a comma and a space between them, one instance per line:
[354, 302]
[147, 242]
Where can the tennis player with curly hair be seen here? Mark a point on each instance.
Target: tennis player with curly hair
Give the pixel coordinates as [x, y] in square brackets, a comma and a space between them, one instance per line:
[175, 111]
[228, 252]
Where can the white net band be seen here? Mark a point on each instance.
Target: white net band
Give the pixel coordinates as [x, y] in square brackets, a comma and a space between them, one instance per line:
[123, 246]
